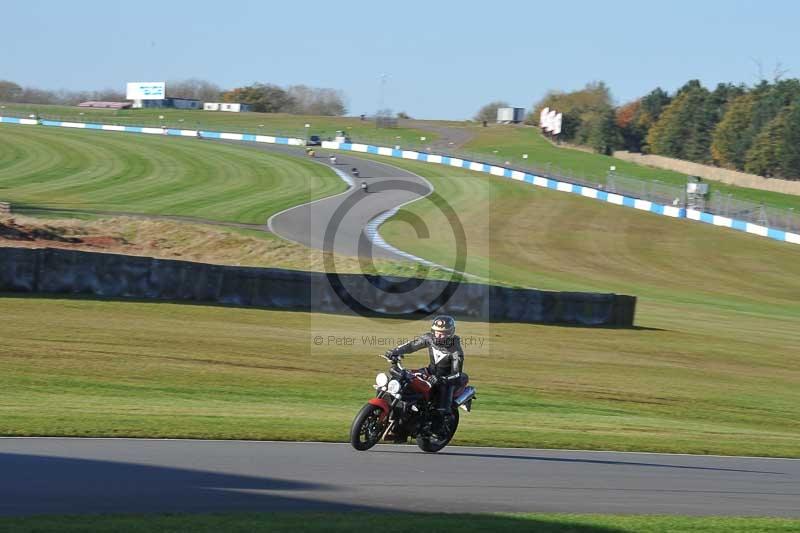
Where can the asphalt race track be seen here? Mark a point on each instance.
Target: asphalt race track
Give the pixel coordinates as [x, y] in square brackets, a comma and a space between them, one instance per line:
[55, 475]
[388, 187]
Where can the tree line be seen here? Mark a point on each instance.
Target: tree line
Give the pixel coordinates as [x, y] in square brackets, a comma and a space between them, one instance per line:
[264, 97]
[753, 129]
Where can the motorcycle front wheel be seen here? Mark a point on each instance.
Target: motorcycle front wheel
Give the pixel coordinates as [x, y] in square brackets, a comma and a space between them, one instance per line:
[433, 444]
[367, 428]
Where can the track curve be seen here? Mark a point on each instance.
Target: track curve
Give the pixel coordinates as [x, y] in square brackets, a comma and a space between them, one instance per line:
[55, 475]
[389, 186]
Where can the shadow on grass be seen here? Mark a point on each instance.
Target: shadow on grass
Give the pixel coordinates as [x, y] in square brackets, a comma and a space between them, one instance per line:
[410, 316]
[51, 485]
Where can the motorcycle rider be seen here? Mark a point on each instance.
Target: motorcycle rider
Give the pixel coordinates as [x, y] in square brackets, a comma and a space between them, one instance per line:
[446, 358]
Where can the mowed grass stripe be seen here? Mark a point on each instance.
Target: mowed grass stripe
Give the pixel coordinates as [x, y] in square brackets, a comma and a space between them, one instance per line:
[88, 170]
[532, 236]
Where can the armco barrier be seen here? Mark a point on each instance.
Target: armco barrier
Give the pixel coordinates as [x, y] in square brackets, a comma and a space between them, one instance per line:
[56, 271]
[588, 192]
[157, 131]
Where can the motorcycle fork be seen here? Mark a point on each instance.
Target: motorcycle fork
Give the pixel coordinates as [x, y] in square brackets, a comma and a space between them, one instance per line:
[389, 427]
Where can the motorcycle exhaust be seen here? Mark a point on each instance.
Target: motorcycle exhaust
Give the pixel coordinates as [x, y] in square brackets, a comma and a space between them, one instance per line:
[465, 398]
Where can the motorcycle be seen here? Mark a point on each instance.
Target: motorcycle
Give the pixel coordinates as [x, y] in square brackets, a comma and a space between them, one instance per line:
[404, 407]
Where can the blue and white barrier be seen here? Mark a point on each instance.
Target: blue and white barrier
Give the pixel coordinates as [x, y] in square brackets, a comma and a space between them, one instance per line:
[588, 192]
[14, 120]
[539, 181]
[158, 131]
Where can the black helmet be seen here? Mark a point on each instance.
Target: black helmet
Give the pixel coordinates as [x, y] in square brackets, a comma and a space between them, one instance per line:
[445, 324]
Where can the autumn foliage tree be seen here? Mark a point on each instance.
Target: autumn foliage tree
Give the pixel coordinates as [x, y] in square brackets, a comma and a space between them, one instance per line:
[587, 116]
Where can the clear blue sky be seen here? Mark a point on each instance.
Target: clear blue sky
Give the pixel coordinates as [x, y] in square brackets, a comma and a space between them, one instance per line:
[443, 59]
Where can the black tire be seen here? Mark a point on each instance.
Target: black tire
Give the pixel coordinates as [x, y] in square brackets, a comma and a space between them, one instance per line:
[367, 428]
[431, 446]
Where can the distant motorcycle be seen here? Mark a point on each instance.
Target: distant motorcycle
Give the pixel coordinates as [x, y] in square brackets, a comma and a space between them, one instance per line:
[403, 408]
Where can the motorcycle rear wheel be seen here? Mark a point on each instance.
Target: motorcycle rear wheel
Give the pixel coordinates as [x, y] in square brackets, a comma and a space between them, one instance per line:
[434, 445]
[367, 428]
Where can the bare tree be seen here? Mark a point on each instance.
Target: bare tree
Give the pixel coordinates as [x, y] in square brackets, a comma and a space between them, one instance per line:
[317, 101]
[9, 91]
[195, 88]
[778, 72]
[489, 111]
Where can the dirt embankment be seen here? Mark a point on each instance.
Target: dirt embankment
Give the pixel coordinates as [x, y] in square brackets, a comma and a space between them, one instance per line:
[161, 238]
[171, 239]
[35, 234]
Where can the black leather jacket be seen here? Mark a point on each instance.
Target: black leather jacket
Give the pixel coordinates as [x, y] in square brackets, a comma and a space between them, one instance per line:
[446, 359]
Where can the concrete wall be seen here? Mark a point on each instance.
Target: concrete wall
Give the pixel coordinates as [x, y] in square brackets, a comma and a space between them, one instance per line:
[732, 177]
[56, 271]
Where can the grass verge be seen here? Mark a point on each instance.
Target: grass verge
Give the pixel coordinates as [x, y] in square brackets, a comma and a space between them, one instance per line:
[80, 367]
[511, 142]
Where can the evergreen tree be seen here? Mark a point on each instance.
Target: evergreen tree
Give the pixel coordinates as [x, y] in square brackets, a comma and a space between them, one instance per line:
[789, 153]
[684, 128]
[770, 101]
[653, 105]
[650, 110]
[732, 137]
[604, 136]
[764, 156]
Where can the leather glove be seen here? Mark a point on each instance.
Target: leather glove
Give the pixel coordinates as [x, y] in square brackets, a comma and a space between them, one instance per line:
[390, 355]
[433, 380]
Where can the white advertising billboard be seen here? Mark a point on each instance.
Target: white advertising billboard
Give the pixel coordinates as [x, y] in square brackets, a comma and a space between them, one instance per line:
[557, 124]
[146, 90]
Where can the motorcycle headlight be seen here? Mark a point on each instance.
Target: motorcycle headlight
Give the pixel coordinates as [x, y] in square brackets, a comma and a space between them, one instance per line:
[393, 387]
[381, 379]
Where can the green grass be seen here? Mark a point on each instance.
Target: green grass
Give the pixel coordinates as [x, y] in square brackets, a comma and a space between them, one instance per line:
[712, 368]
[259, 123]
[74, 170]
[391, 522]
[78, 367]
[511, 142]
[715, 296]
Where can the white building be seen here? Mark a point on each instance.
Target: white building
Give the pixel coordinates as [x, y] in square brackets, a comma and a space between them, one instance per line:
[227, 106]
[510, 115]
